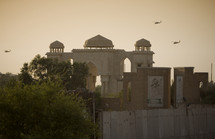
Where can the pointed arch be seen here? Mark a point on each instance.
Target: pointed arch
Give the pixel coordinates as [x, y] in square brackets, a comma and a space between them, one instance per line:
[125, 65]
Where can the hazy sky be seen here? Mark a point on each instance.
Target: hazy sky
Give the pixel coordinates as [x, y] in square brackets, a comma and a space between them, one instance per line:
[27, 27]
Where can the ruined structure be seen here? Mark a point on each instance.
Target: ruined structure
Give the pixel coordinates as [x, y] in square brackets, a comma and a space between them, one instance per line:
[147, 88]
[104, 61]
[144, 87]
[187, 85]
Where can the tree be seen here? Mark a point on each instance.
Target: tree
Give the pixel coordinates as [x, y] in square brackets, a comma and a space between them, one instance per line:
[208, 95]
[42, 69]
[24, 76]
[80, 73]
[6, 79]
[42, 110]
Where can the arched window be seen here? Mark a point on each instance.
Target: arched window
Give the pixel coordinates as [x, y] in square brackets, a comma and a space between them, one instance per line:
[127, 65]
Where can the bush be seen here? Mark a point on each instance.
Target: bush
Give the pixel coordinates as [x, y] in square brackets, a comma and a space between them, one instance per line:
[42, 110]
[208, 95]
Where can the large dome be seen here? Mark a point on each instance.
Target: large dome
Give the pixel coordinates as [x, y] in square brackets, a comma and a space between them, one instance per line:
[98, 42]
[143, 43]
[56, 44]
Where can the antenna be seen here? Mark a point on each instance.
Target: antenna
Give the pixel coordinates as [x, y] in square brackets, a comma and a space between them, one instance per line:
[211, 71]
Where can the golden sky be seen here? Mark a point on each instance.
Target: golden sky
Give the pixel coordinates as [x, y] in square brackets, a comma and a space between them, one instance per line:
[27, 27]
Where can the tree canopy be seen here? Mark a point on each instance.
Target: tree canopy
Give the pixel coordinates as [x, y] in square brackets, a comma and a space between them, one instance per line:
[73, 76]
[42, 110]
[38, 104]
[208, 95]
[6, 79]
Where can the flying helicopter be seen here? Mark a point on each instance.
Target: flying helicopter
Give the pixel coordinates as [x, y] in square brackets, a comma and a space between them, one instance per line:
[176, 42]
[158, 22]
[7, 51]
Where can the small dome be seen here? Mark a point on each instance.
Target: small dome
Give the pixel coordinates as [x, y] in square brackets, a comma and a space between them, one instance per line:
[56, 44]
[142, 43]
[98, 42]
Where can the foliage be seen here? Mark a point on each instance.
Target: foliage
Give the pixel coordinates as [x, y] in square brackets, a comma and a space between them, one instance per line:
[42, 110]
[43, 69]
[80, 73]
[208, 95]
[7, 79]
[25, 76]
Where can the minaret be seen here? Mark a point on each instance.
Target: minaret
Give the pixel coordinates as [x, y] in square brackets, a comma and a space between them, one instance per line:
[142, 56]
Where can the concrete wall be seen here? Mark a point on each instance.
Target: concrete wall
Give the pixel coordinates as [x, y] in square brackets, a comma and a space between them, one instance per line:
[111, 104]
[194, 122]
[190, 85]
[139, 88]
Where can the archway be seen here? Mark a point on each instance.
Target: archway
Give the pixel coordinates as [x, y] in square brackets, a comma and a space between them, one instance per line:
[125, 66]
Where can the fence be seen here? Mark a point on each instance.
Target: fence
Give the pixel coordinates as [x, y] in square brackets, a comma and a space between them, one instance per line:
[193, 122]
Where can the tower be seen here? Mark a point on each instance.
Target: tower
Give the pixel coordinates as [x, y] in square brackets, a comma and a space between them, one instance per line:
[56, 47]
[142, 56]
[142, 45]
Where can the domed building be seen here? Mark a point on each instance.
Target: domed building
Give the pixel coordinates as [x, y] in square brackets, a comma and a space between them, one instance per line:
[105, 62]
[144, 86]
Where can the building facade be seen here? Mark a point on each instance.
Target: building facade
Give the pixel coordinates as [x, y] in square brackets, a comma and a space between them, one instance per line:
[145, 87]
[105, 61]
[187, 85]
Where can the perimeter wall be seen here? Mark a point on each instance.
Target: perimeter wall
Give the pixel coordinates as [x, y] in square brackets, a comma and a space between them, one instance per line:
[192, 122]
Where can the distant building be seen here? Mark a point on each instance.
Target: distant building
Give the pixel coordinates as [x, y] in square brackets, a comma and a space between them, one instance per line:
[104, 61]
[145, 87]
[187, 85]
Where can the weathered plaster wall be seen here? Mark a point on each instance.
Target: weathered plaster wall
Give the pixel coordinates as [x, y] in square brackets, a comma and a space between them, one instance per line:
[195, 121]
[139, 81]
[189, 86]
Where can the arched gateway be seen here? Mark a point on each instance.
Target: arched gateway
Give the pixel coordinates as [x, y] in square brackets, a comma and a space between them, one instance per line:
[105, 61]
